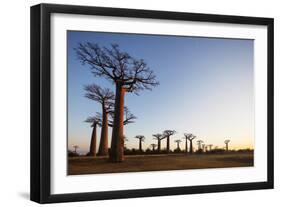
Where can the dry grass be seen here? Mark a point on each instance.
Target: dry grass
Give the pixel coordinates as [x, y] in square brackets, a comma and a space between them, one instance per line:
[137, 163]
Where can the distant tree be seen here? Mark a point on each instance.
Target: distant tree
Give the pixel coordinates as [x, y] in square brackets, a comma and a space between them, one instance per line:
[199, 142]
[75, 148]
[141, 139]
[94, 123]
[186, 144]
[190, 138]
[210, 147]
[203, 147]
[153, 146]
[178, 141]
[226, 144]
[127, 73]
[206, 148]
[158, 137]
[167, 134]
[105, 97]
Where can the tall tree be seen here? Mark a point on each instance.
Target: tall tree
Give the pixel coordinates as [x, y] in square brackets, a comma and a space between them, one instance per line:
[190, 138]
[226, 144]
[159, 138]
[105, 97]
[186, 144]
[127, 73]
[167, 134]
[141, 139]
[93, 146]
[178, 141]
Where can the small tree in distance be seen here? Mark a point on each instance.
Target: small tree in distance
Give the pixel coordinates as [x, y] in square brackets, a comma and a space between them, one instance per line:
[226, 144]
[210, 147]
[167, 134]
[199, 142]
[153, 146]
[190, 137]
[178, 141]
[75, 148]
[141, 139]
[158, 137]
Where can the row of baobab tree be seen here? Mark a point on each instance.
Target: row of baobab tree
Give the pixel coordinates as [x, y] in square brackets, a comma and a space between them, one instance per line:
[188, 137]
[129, 75]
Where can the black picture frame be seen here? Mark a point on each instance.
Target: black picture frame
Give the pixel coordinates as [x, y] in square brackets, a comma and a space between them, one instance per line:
[41, 96]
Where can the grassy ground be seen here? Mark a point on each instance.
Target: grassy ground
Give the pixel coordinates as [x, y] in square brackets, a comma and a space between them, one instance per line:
[137, 163]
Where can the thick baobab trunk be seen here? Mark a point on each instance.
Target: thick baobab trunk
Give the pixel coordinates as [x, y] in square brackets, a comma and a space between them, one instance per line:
[190, 147]
[93, 144]
[159, 145]
[103, 148]
[117, 143]
[168, 144]
[185, 145]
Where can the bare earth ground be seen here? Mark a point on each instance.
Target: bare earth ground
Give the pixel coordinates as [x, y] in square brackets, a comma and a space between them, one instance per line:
[137, 163]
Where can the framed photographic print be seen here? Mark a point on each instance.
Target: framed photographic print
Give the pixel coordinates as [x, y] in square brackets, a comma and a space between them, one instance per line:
[133, 103]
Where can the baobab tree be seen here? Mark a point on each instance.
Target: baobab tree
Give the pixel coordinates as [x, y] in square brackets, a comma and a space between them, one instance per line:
[141, 139]
[206, 148]
[203, 147]
[199, 142]
[190, 138]
[186, 145]
[105, 97]
[226, 144]
[178, 141]
[153, 146]
[75, 148]
[127, 73]
[159, 138]
[210, 147]
[94, 123]
[167, 134]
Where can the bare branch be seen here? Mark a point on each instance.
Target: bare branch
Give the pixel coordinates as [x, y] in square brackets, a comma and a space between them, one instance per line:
[104, 96]
[140, 137]
[93, 120]
[128, 117]
[158, 136]
[189, 136]
[117, 66]
[168, 133]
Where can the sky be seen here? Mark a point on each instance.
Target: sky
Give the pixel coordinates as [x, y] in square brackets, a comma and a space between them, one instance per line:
[206, 88]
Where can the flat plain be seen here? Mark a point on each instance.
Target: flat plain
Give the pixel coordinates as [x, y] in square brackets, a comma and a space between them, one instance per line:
[139, 163]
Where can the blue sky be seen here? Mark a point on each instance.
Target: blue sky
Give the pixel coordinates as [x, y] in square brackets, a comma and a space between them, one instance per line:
[206, 88]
